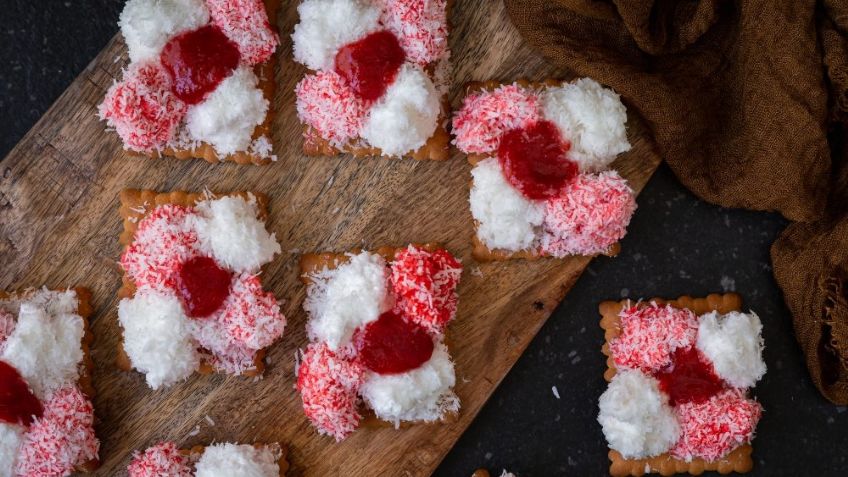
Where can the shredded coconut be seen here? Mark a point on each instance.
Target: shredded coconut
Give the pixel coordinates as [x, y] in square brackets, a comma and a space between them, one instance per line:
[7, 326]
[249, 320]
[590, 215]
[327, 25]
[425, 285]
[329, 385]
[341, 300]
[487, 115]
[45, 349]
[406, 116]
[329, 105]
[650, 334]
[142, 108]
[712, 429]
[62, 438]
[162, 460]
[505, 218]
[164, 240]
[421, 27]
[11, 437]
[245, 22]
[423, 394]
[233, 460]
[147, 25]
[635, 416]
[229, 230]
[734, 344]
[591, 118]
[157, 337]
[227, 117]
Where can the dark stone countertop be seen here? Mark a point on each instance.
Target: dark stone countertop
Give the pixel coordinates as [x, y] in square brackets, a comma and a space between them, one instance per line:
[676, 245]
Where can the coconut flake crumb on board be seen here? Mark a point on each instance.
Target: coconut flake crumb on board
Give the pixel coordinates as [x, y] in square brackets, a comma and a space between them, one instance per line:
[555, 391]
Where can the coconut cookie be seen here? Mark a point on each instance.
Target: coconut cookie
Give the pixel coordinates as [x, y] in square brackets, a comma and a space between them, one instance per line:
[46, 415]
[680, 375]
[376, 328]
[200, 82]
[218, 460]
[378, 77]
[192, 299]
[542, 184]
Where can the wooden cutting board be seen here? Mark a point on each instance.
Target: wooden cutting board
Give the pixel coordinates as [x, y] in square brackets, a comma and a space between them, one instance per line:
[59, 226]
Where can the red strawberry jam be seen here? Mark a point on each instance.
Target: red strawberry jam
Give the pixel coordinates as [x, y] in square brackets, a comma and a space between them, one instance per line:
[535, 162]
[18, 405]
[392, 345]
[690, 378]
[371, 64]
[198, 61]
[203, 286]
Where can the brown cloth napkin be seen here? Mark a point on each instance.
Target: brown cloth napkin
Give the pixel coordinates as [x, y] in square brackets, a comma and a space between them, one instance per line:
[748, 103]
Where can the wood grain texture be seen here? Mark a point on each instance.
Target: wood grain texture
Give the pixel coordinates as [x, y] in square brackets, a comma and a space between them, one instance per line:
[59, 224]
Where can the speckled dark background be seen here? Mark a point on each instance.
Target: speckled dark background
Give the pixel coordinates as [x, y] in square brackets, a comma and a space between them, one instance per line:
[676, 245]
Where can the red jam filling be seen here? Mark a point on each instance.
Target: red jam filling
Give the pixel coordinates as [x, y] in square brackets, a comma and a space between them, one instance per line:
[535, 162]
[392, 345]
[690, 378]
[18, 405]
[203, 286]
[198, 61]
[371, 64]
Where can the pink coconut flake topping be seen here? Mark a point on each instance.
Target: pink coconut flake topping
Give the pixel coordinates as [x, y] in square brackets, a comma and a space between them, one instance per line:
[712, 429]
[249, 320]
[142, 108]
[163, 240]
[590, 215]
[487, 115]
[650, 334]
[62, 438]
[161, 460]
[245, 22]
[420, 25]
[329, 384]
[330, 106]
[425, 286]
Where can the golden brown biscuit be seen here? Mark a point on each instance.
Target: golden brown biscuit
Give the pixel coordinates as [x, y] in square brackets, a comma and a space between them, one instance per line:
[437, 148]
[84, 310]
[739, 460]
[314, 262]
[268, 85]
[135, 205]
[480, 251]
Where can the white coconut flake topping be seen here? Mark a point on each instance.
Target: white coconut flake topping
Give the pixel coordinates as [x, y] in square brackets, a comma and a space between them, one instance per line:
[327, 25]
[591, 118]
[46, 349]
[407, 114]
[147, 25]
[229, 230]
[233, 460]
[505, 218]
[341, 300]
[11, 437]
[734, 345]
[157, 337]
[227, 117]
[423, 394]
[636, 417]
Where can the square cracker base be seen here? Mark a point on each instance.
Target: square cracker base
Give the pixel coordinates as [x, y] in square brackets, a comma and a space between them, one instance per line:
[739, 460]
[135, 205]
[268, 85]
[314, 262]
